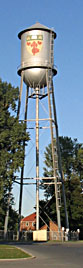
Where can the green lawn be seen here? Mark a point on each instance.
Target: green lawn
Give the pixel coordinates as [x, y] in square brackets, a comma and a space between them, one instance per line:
[11, 252]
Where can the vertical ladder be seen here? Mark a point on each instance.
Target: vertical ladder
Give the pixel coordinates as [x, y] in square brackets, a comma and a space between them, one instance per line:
[51, 49]
[59, 158]
[55, 162]
[50, 73]
[55, 147]
[50, 79]
[57, 176]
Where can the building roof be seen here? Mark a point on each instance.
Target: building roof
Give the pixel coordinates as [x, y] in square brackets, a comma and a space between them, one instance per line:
[31, 217]
[37, 26]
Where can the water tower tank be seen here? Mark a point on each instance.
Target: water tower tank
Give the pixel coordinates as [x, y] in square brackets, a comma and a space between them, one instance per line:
[36, 54]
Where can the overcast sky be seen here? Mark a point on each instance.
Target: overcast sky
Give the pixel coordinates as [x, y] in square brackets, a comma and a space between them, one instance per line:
[66, 17]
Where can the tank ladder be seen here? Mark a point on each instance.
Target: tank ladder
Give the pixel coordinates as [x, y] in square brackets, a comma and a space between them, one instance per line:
[51, 49]
[59, 165]
[55, 146]
[50, 76]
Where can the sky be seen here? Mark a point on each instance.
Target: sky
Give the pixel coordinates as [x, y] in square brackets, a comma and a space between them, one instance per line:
[66, 17]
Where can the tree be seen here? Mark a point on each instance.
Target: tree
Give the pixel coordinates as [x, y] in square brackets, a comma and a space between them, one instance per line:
[72, 163]
[12, 135]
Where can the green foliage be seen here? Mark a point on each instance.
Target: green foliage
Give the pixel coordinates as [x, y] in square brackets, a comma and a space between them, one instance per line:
[12, 138]
[72, 164]
[13, 220]
[47, 211]
[48, 170]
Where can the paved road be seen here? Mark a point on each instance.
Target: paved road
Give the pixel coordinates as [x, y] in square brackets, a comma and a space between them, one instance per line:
[64, 255]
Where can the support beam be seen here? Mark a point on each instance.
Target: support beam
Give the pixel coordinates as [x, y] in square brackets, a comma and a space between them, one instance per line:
[53, 153]
[37, 161]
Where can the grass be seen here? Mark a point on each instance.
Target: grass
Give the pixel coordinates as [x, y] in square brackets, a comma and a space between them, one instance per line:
[11, 252]
[70, 241]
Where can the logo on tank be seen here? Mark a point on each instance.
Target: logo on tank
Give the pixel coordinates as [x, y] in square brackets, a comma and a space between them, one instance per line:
[34, 43]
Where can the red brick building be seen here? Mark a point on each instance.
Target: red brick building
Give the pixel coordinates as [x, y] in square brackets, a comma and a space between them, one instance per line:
[28, 223]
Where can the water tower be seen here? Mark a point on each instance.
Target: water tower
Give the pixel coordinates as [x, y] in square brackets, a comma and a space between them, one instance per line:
[37, 71]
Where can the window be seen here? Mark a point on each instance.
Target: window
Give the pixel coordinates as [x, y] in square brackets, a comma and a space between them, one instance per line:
[33, 223]
[27, 223]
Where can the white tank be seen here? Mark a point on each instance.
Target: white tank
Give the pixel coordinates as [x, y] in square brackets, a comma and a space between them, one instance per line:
[36, 54]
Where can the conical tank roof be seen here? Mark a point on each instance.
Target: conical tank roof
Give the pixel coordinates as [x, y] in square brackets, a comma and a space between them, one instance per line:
[37, 26]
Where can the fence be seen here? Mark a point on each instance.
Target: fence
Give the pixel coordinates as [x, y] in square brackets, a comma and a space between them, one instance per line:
[51, 235]
[24, 236]
[64, 235]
